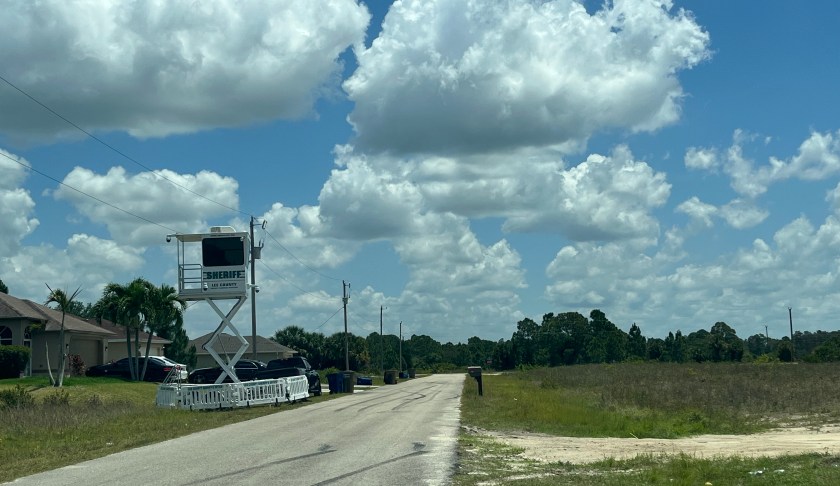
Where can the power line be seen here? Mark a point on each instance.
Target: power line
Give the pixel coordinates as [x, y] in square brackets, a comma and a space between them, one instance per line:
[304, 291]
[90, 196]
[156, 174]
[328, 319]
[115, 150]
[298, 259]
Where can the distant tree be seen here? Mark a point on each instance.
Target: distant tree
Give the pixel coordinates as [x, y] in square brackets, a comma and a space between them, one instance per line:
[698, 346]
[826, 352]
[63, 301]
[3, 287]
[725, 344]
[784, 350]
[525, 341]
[606, 343]
[310, 345]
[334, 355]
[636, 343]
[503, 358]
[655, 349]
[675, 347]
[79, 309]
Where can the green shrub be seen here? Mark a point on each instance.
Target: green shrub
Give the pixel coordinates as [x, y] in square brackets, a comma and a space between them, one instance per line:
[13, 360]
[58, 398]
[17, 397]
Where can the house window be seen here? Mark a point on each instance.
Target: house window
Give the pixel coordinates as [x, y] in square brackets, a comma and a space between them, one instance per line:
[5, 336]
[27, 337]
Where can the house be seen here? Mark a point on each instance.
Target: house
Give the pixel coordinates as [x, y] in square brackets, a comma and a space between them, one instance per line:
[36, 326]
[116, 344]
[229, 344]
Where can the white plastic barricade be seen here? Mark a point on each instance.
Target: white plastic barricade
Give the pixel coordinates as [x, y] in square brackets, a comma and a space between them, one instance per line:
[201, 397]
[297, 388]
[168, 395]
[260, 392]
[227, 395]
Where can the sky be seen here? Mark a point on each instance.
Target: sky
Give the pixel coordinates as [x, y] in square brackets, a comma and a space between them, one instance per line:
[461, 165]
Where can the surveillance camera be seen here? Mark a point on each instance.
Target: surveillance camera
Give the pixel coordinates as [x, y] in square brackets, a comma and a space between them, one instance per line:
[204, 287]
[257, 289]
[168, 239]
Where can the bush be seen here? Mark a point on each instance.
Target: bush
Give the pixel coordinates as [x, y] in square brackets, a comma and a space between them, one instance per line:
[57, 398]
[77, 365]
[13, 360]
[17, 397]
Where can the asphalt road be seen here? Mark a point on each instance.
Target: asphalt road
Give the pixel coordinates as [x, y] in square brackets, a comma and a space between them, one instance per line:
[402, 434]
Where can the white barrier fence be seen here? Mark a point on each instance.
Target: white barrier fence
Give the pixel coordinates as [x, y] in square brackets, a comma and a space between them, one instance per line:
[228, 395]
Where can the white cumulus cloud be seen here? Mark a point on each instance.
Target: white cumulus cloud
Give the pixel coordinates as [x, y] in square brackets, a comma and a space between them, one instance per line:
[158, 68]
[460, 76]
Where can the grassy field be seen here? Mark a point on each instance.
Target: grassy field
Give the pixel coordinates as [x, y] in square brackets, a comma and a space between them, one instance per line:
[649, 400]
[94, 417]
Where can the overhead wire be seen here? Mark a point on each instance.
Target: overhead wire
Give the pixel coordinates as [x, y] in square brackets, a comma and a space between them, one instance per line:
[298, 259]
[90, 196]
[160, 176]
[115, 150]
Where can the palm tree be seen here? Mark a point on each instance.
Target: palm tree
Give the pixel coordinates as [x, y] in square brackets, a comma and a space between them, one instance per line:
[60, 298]
[164, 310]
[126, 305]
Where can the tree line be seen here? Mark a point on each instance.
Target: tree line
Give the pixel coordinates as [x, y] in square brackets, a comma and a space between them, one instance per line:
[568, 338]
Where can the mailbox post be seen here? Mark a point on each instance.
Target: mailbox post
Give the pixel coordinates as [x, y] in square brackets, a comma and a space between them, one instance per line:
[475, 372]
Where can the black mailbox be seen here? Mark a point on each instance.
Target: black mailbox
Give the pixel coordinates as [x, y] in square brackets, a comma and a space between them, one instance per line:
[475, 372]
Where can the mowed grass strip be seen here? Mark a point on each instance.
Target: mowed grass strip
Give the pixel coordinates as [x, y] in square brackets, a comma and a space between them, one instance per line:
[654, 400]
[94, 417]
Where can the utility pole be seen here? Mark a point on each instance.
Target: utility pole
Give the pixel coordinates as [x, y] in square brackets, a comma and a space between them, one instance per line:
[793, 346]
[381, 347]
[766, 339]
[253, 295]
[400, 347]
[346, 338]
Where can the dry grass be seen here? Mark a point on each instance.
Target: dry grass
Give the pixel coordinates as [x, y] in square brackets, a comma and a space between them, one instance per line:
[655, 399]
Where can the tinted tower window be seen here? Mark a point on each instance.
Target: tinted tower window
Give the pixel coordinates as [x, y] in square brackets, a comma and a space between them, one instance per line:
[223, 252]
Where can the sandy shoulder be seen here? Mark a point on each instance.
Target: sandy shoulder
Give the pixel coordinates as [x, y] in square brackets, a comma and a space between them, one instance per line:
[578, 450]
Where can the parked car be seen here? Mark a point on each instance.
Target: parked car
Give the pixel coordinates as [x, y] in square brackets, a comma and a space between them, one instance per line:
[156, 371]
[279, 368]
[246, 370]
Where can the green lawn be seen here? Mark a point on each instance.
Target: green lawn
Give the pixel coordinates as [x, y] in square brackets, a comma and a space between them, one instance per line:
[94, 417]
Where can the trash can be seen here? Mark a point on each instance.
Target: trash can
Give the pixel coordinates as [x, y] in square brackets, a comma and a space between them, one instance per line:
[412, 372]
[349, 379]
[364, 380]
[336, 382]
[390, 377]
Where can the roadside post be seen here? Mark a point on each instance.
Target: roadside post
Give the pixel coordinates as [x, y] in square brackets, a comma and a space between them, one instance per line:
[475, 372]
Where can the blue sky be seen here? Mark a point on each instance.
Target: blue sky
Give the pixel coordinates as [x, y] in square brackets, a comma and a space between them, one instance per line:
[673, 164]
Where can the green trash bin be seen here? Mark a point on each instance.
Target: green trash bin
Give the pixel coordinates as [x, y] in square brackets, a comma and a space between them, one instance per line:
[349, 381]
[390, 377]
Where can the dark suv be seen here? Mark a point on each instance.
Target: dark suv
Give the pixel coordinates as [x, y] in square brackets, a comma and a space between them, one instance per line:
[246, 370]
[278, 368]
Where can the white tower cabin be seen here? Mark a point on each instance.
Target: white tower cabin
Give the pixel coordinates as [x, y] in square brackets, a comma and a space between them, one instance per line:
[213, 267]
[218, 272]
